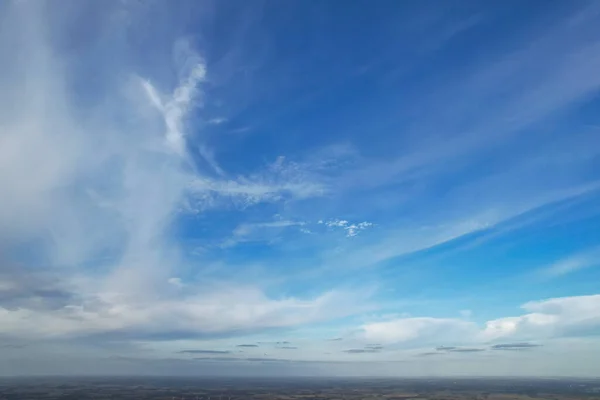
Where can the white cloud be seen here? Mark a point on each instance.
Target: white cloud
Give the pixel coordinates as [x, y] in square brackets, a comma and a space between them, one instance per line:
[260, 231]
[93, 186]
[532, 81]
[352, 229]
[419, 329]
[176, 282]
[584, 259]
[576, 316]
[562, 316]
[397, 242]
[337, 222]
[220, 310]
[246, 229]
[217, 121]
[175, 108]
[98, 187]
[279, 181]
[490, 220]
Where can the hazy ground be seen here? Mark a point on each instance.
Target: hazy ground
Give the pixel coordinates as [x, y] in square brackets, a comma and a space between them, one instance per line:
[325, 388]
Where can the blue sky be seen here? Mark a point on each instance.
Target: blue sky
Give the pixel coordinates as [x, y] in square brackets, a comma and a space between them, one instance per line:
[300, 188]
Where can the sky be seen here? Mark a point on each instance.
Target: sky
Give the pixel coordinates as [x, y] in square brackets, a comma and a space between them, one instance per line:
[300, 188]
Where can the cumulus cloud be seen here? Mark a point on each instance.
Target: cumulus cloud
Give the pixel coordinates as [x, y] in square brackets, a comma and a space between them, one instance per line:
[562, 316]
[418, 328]
[552, 318]
[352, 229]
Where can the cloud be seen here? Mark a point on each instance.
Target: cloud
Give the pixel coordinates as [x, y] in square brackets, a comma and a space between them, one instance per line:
[118, 166]
[216, 121]
[204, 352]
[573, 263]
[108, 174]
[216, 359]
[175, 108]
[247, 345]
[466, 350]
[176, 282]
[218, 312]
[514, 346]
[532, 90]
[419, 328]
[285, 342]
[37, 291]
[429, 354]
[576, 316]
[279, 181]
[246, 229]
[120, 162]
[13, 346]
[260, 231]
[352, 229]
[267, 359]
[264, 360]
[454, 349]
[361, 351]
[557, 317]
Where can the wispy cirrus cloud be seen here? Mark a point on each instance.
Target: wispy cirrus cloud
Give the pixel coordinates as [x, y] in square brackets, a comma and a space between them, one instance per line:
[467, 350]
[204, 352]
[112, 159]
[278, 182]
[139, 174]
[515, 346]
[573, 263]
[360, 351]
